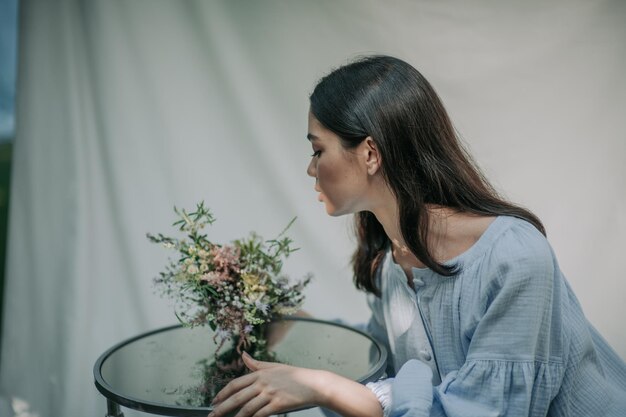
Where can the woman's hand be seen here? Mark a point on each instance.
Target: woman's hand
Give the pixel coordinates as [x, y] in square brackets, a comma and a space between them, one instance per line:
[273, 388]
[269, 389]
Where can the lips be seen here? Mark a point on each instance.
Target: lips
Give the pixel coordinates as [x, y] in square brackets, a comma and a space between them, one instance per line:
[319, 196]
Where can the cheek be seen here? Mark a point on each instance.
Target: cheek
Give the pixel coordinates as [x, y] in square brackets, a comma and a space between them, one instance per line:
[327, 173]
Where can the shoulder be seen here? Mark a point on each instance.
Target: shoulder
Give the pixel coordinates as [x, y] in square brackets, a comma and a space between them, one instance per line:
[507, 297]
[518, 255]
[517, 243]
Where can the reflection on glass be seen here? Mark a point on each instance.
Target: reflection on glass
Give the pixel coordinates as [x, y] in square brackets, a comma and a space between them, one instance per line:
[215, 373]
[176, 366]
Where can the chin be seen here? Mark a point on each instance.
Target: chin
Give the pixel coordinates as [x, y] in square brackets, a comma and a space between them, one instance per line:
[335, 212]
[330, 210]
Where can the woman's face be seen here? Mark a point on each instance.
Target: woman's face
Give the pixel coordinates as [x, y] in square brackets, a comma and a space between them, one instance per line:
[340, 174]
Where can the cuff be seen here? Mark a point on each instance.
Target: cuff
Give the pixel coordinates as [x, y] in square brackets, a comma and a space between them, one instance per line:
[382, 391]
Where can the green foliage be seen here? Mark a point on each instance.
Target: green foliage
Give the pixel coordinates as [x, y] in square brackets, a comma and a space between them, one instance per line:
[233, 288]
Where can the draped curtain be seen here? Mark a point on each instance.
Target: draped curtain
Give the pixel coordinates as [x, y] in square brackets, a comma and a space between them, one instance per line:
[126, 108]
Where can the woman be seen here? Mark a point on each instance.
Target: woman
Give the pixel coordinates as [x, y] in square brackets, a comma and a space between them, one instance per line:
[463, 286]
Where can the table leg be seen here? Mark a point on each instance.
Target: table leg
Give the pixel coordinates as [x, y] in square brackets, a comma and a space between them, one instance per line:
[113, 409]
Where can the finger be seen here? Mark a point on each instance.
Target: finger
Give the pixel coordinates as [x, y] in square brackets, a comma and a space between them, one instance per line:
[253, 406]
[249, 361]
[253, 364]
[234, 386]
[240, 399]
[267, 410]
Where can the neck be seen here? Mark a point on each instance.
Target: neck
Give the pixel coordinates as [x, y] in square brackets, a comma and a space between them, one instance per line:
[388, 216]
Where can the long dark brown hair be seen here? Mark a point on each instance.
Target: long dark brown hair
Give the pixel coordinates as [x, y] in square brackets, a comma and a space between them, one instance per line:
[423, 161]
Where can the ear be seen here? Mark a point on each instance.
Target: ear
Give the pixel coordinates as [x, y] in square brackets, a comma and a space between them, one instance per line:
[373, 160]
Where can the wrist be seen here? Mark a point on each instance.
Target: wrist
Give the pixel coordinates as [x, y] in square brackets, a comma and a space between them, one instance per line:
[321, 384]
[343, 396]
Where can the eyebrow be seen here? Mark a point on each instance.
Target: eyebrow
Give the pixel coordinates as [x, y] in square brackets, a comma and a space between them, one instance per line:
[311, 136]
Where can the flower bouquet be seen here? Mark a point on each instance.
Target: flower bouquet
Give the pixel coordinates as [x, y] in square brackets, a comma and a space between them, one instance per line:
[236, 289]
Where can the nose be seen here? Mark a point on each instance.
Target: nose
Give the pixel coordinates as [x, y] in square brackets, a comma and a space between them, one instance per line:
[311, 170]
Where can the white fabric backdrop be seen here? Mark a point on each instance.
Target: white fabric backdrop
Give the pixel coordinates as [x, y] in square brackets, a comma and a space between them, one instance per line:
[128, 107]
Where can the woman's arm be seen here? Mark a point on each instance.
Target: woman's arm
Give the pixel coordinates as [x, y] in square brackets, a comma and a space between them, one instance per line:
[273, 388]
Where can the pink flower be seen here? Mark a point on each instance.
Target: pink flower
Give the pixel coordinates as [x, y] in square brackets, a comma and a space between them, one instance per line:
[214, 278]
[225, 258]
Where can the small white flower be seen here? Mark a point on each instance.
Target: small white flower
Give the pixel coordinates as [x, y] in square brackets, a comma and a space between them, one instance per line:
[192, 269]
[222, 333]
[285, 310]
[262, 307]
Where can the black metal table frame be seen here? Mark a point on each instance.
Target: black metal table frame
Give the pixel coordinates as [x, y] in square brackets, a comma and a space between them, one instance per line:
[115, 399]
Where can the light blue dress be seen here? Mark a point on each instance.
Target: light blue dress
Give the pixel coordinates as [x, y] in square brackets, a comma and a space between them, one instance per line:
[504, 337]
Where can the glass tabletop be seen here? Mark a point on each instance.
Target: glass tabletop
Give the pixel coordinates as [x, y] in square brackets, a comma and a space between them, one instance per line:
[162, 371]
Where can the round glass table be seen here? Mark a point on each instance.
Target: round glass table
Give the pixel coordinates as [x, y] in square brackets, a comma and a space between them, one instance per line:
[161, 371]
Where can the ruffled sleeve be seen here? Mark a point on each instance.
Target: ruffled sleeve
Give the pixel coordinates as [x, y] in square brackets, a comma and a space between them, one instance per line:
[513, 365]
[480, 388]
